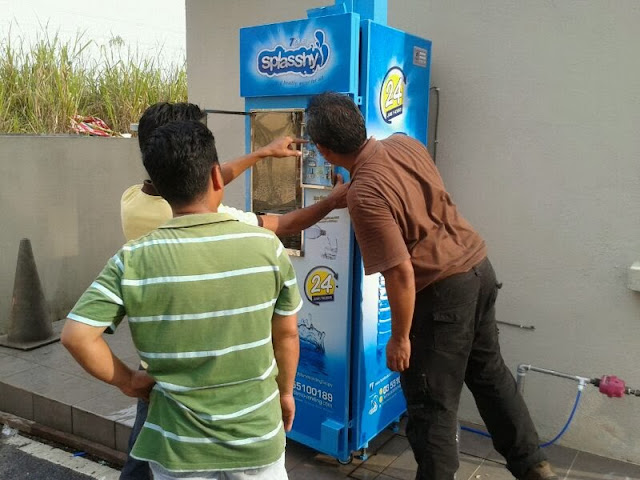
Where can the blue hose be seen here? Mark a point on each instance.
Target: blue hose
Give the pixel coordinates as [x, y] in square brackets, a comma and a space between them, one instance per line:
[566, 425]
[550, 442]
[477, 432]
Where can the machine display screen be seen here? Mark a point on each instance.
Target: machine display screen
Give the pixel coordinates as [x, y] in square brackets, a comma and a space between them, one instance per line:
[316, 171]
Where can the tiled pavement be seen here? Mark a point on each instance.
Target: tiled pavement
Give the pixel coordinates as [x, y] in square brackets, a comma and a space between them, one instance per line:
[47, 386]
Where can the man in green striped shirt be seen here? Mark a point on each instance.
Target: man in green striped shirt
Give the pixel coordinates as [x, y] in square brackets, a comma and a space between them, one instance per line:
[212, 309]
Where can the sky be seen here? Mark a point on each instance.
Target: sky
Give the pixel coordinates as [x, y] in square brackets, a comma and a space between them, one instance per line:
[146, 24]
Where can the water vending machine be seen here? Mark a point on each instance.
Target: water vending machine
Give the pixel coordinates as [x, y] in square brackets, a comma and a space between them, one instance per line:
[344, 393]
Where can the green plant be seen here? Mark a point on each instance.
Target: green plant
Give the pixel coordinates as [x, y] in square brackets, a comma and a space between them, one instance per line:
[45, 84]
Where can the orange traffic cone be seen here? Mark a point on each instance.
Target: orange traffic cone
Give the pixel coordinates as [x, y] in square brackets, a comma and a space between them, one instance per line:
[29, 323]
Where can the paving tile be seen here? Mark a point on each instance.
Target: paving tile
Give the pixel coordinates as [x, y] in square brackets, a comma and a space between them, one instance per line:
[113, 405]
[381, 439]
[468, 466]
[42, 355]
[57, 385]
[297, 453]
[387, 454]
[403, 468]
[122, 348]
[474, 444]
[54, 356]
[114, 414]
[492, 471]
[308, 472]
[10, 365]
[322, 467]
[122, 437]
[71, 367]
[13, 352]
[402, 428]
[120, 342]
[52, 414]
[590, 467]
[16, 401]
[561, 458]
[132, 362]
[362, 473]
[93, 427]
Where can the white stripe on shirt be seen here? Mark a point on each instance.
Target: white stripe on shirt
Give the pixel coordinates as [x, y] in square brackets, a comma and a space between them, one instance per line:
[185, 439]
[225, 416]
[172, 387]
[201, 316]
[198, 278]
[285, 313]
[118, 262]
[104, 290]
[88, 321]
[182, 241]
[207, 353]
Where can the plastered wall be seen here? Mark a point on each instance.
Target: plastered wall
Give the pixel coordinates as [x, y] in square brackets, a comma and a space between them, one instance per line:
[539, 145]
[63, 193]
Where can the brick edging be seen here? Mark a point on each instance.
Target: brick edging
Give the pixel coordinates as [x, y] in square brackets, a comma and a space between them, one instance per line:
[73, 441]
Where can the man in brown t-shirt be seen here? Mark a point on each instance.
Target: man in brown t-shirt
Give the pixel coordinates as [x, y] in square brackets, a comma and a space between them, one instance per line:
[441, 289]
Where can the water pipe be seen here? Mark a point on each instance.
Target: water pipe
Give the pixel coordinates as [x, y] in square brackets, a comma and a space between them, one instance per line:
[523, 369]
[608, 385]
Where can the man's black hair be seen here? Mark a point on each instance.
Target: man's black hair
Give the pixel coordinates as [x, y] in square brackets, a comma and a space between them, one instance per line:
[334, 121]
[162, 113]
[179, 157]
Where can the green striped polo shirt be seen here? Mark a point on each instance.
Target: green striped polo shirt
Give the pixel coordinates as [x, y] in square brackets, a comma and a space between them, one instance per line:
[200, 293]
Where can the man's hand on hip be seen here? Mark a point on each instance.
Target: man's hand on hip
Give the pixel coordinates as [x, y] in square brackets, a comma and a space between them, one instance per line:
[139, 386]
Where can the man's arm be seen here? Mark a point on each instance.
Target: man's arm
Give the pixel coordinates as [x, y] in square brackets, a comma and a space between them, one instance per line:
[280, 147]
[286, 347]
[401, 291]
[298, 220]
[88, 347]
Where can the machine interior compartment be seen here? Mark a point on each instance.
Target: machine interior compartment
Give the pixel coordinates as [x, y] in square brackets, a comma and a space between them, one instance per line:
[276, 186]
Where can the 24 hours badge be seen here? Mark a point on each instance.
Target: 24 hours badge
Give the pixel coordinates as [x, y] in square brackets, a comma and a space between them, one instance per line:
[392, 94]
[320, 285]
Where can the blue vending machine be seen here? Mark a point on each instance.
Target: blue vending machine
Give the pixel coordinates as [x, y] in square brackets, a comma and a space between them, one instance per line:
[344, 393]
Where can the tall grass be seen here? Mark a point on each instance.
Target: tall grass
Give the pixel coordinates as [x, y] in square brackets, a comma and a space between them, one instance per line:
[43, 85]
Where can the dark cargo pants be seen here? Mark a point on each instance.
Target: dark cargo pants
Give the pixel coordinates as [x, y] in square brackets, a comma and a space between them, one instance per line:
[454, 340]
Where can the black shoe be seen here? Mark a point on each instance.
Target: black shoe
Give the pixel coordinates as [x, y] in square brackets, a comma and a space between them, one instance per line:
[540, 471]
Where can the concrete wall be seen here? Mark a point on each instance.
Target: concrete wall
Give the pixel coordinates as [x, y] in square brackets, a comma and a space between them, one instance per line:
[63, 193]
[539, 146]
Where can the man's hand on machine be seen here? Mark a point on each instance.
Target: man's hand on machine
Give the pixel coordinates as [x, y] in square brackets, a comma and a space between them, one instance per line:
[338, 195]
[282, 147]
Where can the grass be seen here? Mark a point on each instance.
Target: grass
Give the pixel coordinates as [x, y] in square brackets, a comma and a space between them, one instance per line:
[43, 85]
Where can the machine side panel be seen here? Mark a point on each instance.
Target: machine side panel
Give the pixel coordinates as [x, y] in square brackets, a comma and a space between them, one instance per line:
[395, 90]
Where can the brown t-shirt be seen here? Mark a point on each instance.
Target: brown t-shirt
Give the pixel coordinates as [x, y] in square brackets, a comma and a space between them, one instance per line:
[400, 210]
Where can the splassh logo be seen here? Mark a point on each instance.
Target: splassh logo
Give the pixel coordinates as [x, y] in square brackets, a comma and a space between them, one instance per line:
[304, 61]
